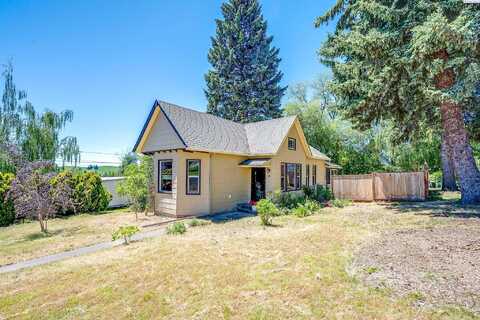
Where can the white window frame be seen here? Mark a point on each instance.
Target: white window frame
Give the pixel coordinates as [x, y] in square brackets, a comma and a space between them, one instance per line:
[160, 190]
[187, 183]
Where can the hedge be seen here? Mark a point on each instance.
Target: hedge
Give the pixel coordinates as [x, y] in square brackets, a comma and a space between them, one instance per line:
[89, 195]
[7, 212]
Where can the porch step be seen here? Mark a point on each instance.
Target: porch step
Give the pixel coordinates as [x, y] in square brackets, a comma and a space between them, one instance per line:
[245, 207]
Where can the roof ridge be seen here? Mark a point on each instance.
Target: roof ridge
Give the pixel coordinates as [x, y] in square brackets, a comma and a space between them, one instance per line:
[269, 120]
[212, 115]
[192, 110]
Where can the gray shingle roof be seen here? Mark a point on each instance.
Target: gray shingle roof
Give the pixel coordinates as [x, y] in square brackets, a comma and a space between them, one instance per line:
[265, 137]
[205, 132]
[318, 154]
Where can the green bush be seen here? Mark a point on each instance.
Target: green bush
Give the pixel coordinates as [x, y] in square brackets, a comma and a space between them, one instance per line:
[340, 203]
[306, 209]
[313, 205]
[435, 179]
[301, 211]
[177, 228]
[89, 195]
[196, 222]
[125, 232]
[7, 211]
[266, 210]
[318, 193]
[288, 200]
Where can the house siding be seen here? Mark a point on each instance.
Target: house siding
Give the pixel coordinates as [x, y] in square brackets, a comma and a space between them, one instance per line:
[230, 184]
[166, 203]
[224, 183]
[196, 204]
[293, 156]
[162, 135]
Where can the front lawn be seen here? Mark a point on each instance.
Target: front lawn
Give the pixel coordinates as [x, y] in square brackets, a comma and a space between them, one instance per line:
[301, 268]
[25, 241]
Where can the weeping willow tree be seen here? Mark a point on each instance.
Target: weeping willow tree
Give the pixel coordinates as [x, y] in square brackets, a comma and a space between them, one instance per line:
[38, 135]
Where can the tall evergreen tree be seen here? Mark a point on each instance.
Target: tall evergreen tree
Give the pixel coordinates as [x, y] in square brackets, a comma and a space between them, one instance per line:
[244, 82]
[413, 61]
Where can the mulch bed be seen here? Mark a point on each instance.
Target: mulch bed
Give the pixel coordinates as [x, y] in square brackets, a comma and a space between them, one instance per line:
[438, 266]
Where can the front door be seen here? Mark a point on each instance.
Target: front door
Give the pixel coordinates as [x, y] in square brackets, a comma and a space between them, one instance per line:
[258, 183]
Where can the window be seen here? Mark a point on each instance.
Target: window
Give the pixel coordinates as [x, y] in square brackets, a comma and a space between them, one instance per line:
[314, 175]
[292, 144]
[327, 176]
[298, 182]
[307, 174]
[290, 176]
[193, 176]
[291, 168]
[164, 175]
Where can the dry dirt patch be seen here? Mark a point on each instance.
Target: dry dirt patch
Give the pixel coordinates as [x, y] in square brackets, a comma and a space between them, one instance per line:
[438, 265]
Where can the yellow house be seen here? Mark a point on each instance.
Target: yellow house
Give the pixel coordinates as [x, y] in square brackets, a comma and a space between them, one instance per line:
[205, 164]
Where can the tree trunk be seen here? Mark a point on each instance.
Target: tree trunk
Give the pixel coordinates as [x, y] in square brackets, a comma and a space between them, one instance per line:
[463, 161]
[456, 137]
[448, 175]
[43, 226]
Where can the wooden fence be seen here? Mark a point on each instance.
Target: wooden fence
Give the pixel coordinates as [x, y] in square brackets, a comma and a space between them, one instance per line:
[411, 186]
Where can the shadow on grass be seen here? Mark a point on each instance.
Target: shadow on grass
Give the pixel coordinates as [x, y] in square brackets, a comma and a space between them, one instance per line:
[227, 217]
[42, 235]
[437, 209]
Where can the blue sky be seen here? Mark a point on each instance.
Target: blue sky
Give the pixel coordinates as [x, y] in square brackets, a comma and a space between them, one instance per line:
[108, 60]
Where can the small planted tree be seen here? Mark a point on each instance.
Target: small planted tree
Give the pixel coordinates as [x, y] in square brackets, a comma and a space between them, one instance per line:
[35, 196]
[136, 186]
[125, 232]
[266, 210]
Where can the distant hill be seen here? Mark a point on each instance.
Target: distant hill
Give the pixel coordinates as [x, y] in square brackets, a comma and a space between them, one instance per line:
[103, 171]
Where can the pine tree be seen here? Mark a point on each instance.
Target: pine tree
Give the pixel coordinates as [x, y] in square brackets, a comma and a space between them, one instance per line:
[244, 82]
[413, 61]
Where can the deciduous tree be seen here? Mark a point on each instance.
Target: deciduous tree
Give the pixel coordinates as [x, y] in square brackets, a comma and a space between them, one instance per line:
[35, 197]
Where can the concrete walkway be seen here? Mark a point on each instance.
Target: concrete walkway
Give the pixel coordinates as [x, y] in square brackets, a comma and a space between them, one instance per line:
[77, 252]
[219, 218]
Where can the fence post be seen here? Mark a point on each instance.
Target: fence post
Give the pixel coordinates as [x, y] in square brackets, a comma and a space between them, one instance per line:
[373, 186]
[426, 179]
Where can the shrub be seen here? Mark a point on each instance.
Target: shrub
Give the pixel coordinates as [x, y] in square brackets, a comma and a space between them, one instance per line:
[340, 203]
[288, 200]
[89, 195]
[318, 193]
[196, 222]
[323, 193]
[266, 210]
[177, 228]
[125, 232]
[7, 211]
[301, 211]
[313, 205]
[306, 209]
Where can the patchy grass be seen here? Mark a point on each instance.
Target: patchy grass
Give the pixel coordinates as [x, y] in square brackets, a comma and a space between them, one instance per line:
[231, 270]
[444, 195]
[25, 241]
